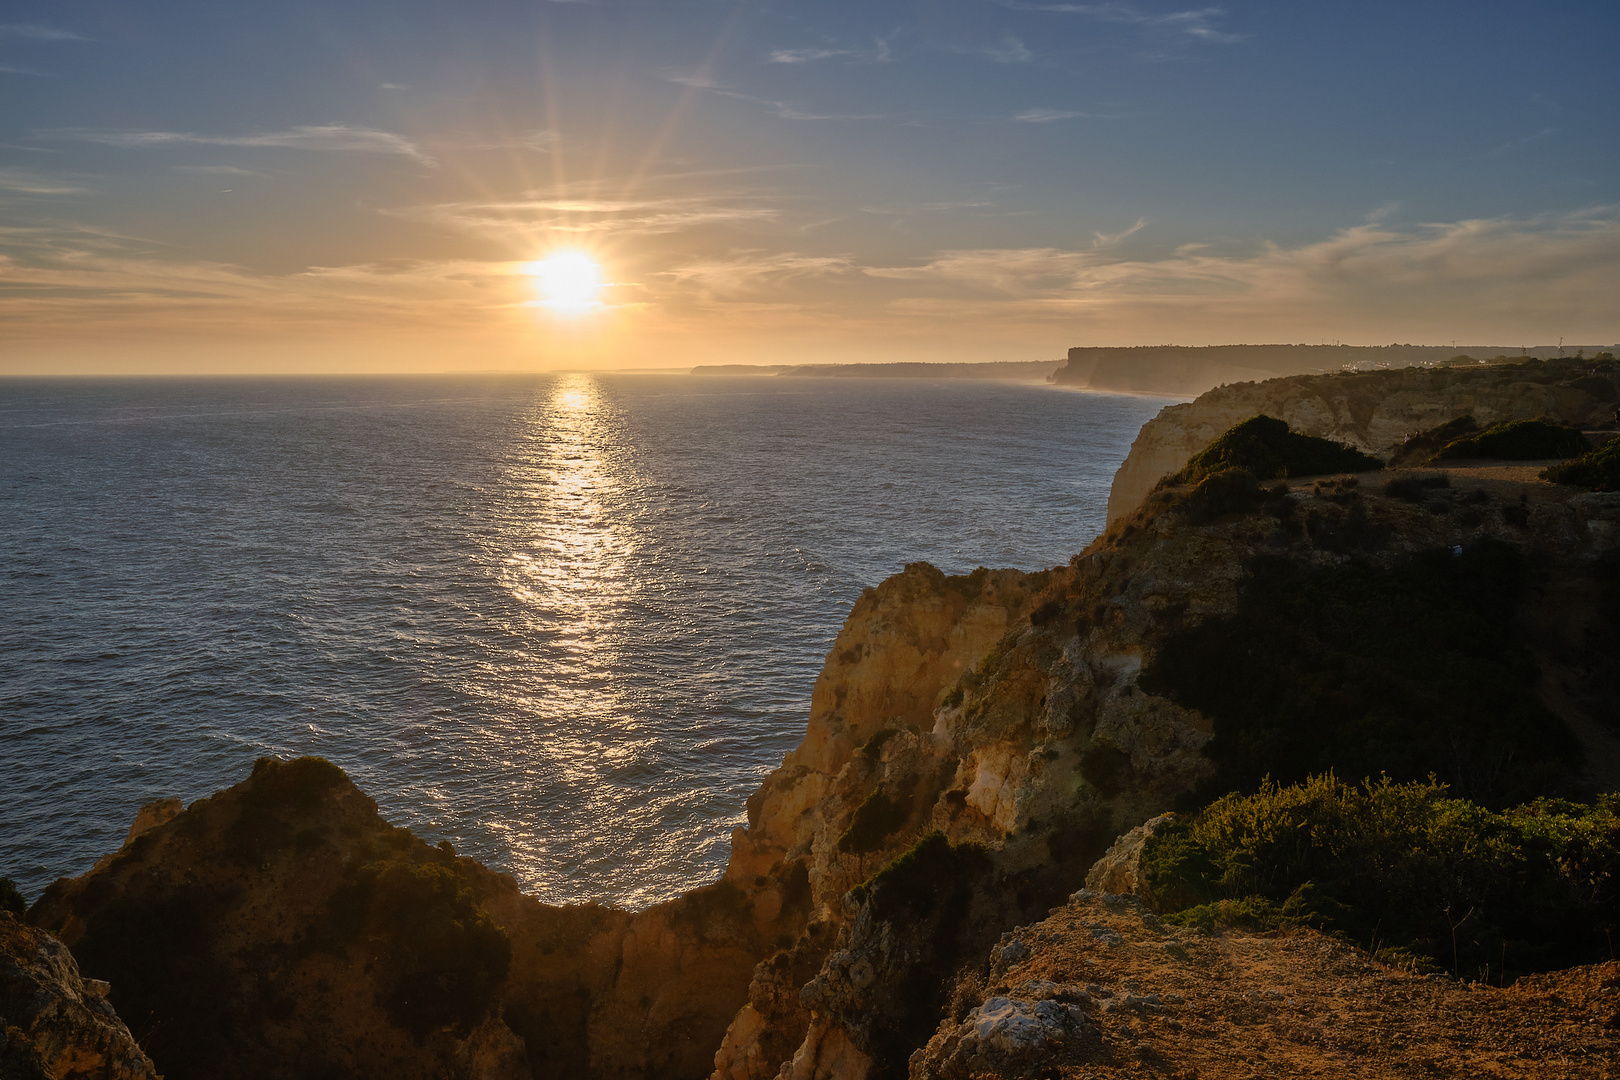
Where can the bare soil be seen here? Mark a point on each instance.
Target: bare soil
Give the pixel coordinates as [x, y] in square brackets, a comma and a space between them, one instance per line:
[1298, 1004]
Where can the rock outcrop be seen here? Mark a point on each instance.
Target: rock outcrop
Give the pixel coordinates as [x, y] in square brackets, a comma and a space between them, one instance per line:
[55, 1024]
[1372, 411]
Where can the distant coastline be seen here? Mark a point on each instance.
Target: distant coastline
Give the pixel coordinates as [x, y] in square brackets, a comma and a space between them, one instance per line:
[1190, 370]
[1011, 370]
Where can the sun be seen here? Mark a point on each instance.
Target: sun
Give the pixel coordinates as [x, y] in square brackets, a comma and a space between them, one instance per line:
[568, 282]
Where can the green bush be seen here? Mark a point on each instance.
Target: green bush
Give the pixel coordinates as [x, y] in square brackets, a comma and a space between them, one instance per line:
[873, 821]
[1519, 440]
[276, 794]
[1419, 448]
[1401, 867]
[1596, 470]
[1265, 447]
[1411, 670]
[934, 873]
[11, 899]
[443, 959]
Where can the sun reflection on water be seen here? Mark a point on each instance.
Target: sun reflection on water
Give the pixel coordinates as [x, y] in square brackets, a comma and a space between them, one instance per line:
[567, 556]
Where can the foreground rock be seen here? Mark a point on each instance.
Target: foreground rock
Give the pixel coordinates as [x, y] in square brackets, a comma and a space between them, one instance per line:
[1102, 988]
[54, 1024]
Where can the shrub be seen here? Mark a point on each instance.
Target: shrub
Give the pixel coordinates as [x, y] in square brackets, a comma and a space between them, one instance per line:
[1519, 440]
[932, 874]
[443, 958]
[873, 821]
[1412, 670]
[276, 793]
[1414, 488]
[1267, 449]
[1229, 491]
[1403, 869]
[1419, 448]
[11, 898]
[1596, 470]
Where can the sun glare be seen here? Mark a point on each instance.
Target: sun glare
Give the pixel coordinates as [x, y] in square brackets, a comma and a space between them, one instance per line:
[568, 282]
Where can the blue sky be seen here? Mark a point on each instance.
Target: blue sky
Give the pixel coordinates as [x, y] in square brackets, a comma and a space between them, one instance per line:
[194, 186]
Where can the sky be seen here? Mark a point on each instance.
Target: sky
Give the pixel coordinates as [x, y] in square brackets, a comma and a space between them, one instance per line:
[366, 186]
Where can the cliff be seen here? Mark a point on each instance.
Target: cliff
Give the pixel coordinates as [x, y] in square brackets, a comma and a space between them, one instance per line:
[1372, 411]
[1188, 370]
[55, 1024]
[975, 744]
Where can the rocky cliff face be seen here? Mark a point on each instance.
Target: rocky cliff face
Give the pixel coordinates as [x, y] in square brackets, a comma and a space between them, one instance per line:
[55, 1024]
[1052, 745]
[975, 744]
[1372, 411]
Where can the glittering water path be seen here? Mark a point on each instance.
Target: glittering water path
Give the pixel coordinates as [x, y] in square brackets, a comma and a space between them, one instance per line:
[567, 622]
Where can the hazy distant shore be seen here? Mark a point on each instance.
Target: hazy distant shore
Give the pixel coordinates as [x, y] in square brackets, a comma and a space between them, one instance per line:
[1014, 370]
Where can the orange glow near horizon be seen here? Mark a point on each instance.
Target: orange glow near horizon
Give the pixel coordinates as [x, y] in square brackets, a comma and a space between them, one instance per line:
[569, 282]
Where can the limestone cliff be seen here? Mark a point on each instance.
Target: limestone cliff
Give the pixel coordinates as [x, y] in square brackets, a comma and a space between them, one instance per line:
[1373, 411]
[1054, 742]
[55, 1024]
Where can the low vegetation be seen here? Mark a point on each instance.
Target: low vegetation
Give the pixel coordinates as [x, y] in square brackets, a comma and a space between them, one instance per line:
[11, 898]
[444, 959]
[1267, 449]
[934, 874]
[1414, 670]
[1596, 470]
[1518, 440]
[1404, 869]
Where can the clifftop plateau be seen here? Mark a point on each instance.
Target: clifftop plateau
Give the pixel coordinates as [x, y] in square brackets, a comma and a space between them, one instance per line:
[1373, 411]
[975, 745]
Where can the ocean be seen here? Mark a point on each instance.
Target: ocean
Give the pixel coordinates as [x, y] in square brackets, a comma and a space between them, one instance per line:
[567, 622]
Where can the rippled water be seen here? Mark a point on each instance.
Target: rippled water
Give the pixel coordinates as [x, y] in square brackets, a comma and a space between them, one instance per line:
[567, 622]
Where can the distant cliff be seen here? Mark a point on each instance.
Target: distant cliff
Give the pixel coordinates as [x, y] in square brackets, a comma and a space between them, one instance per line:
[1187, 371]
[1372, 411]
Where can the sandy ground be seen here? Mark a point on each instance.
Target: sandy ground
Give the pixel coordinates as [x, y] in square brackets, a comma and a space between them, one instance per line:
[1299, 1004]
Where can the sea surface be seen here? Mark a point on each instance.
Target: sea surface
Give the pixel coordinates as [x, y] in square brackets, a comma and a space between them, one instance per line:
[566, 622]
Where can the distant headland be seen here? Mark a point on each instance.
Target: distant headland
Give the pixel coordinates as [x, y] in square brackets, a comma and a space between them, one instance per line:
[1173, 370]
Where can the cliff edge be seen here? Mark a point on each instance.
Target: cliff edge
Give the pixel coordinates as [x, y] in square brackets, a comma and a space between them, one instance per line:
[1373, 411]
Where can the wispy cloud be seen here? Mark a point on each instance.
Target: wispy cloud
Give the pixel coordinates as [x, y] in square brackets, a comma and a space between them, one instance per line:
[37, 32]
[533, 217]
[1007, 50]
[215, 170]
[1101, 240]
[1199, 23]
[744, 273]
[1047, 116]
[805, 56]
[12, 69]
[26, 182]
[318, 137]
[783, 109]
[1519, 144]
[1485, 276]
